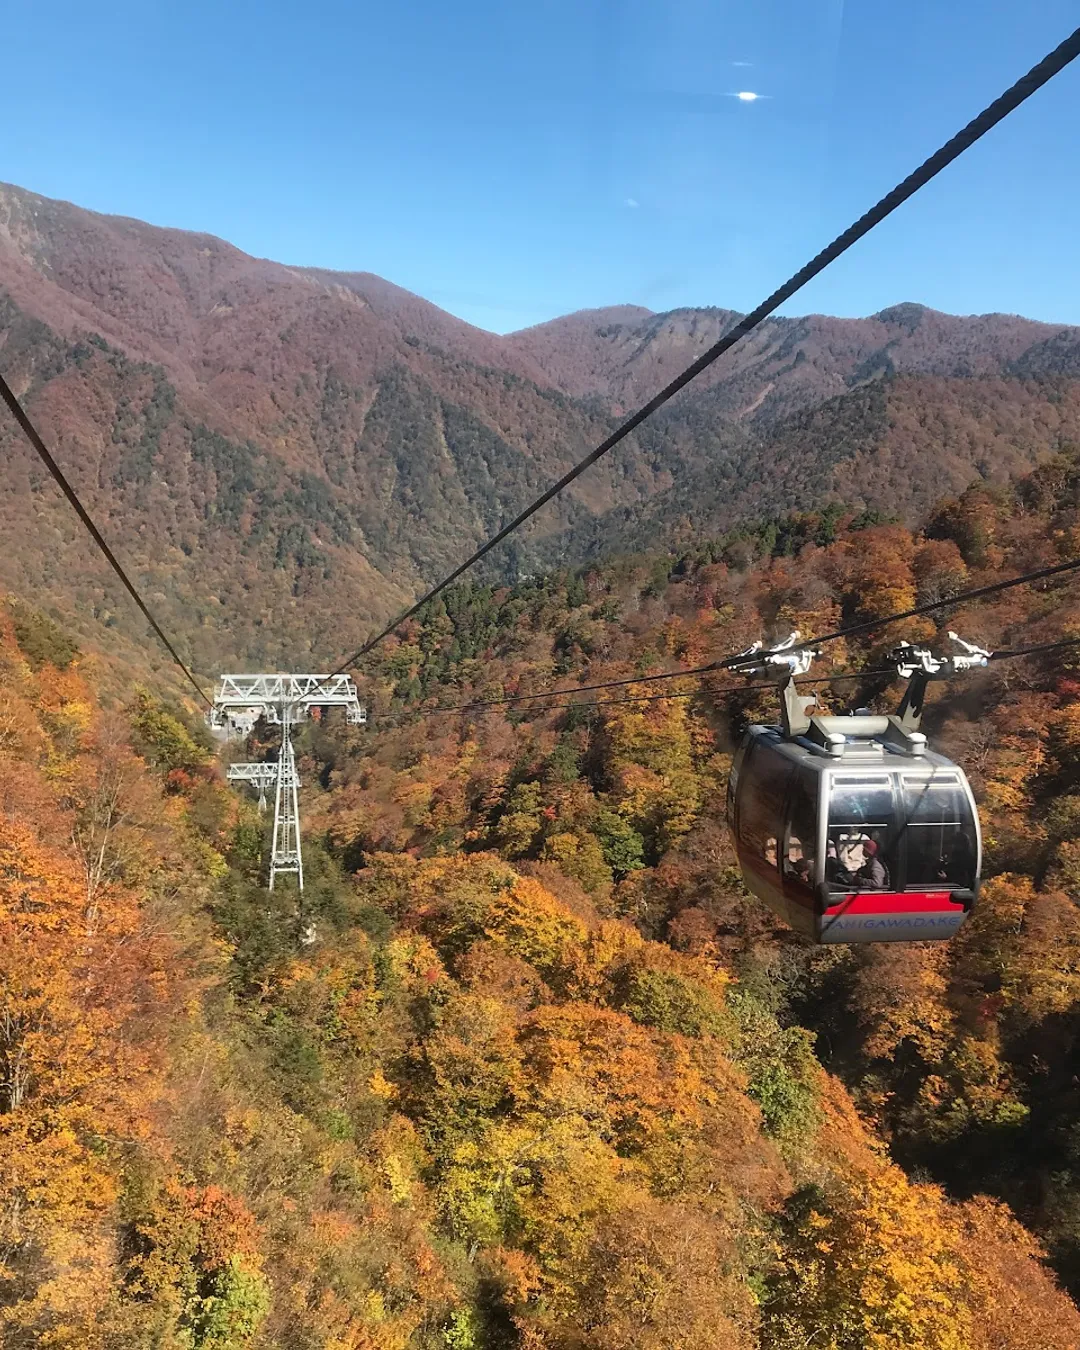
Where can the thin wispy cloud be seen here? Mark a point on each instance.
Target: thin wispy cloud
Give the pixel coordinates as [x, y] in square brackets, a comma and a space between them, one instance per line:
[744, 64]
[631, 201]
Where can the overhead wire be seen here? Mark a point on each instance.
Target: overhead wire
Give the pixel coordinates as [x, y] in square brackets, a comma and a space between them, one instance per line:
[978, 127]
[1035, 651]
[917, 611]
[584, 688]
[58, 475]
[655, 698]
[733, 662]
[732, 689]
[1012, 98]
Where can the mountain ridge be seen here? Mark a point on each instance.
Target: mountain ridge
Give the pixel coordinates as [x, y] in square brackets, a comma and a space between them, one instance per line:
[281, 452]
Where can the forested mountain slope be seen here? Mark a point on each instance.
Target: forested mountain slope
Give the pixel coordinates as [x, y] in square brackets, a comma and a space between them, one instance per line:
[524, 1069]
[283, 455]
[255, 438]
[627, 355]
[893, 445]
[964, 1055]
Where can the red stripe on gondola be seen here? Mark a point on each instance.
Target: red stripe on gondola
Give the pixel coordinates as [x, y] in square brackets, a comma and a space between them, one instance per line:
[894, 902]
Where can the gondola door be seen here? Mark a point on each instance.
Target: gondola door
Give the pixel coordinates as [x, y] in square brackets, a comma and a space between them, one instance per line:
[764, 776]
[801, 850]
[892, 842]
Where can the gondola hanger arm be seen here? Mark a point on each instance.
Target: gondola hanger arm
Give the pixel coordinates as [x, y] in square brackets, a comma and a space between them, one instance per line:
[910, 660]
[976, 656]
[759, 660]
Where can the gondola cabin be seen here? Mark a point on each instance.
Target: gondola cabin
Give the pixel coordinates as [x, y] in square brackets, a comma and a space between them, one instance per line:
[855, 831]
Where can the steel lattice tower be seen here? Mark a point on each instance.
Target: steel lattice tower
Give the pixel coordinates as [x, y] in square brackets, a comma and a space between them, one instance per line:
[286, 855]
[281, 700]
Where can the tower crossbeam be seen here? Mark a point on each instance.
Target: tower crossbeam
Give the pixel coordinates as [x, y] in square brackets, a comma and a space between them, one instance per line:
[261, 775]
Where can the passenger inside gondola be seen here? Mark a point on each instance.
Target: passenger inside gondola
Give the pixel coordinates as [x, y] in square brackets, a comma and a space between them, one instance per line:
[859, 839]
[796, 862]
[854, 862]
[799, 833]
[873, 871]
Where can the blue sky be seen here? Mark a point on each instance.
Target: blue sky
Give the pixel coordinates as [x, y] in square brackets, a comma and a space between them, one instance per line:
[512, 162]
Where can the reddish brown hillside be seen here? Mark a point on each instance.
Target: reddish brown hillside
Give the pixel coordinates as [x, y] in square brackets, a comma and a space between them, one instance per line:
[284, 454]
[197, 304]
[626, 355]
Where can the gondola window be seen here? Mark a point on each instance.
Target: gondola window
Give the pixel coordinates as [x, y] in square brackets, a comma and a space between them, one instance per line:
[861, 842]
[941, 844]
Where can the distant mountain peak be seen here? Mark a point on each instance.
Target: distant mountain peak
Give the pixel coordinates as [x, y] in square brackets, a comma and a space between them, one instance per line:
[907, 314]
[604, 316]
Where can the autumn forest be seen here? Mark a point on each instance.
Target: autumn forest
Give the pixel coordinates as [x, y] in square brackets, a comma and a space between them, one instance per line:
[526, 1067]
[523, 1066]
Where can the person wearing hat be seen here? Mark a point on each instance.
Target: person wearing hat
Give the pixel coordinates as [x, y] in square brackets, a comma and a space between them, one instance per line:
[873, 871]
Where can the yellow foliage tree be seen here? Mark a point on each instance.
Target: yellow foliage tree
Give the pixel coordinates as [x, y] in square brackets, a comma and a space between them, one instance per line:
[869, 1267]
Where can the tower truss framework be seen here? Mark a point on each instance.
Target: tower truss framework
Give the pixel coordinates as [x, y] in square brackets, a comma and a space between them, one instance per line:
[280, 700]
